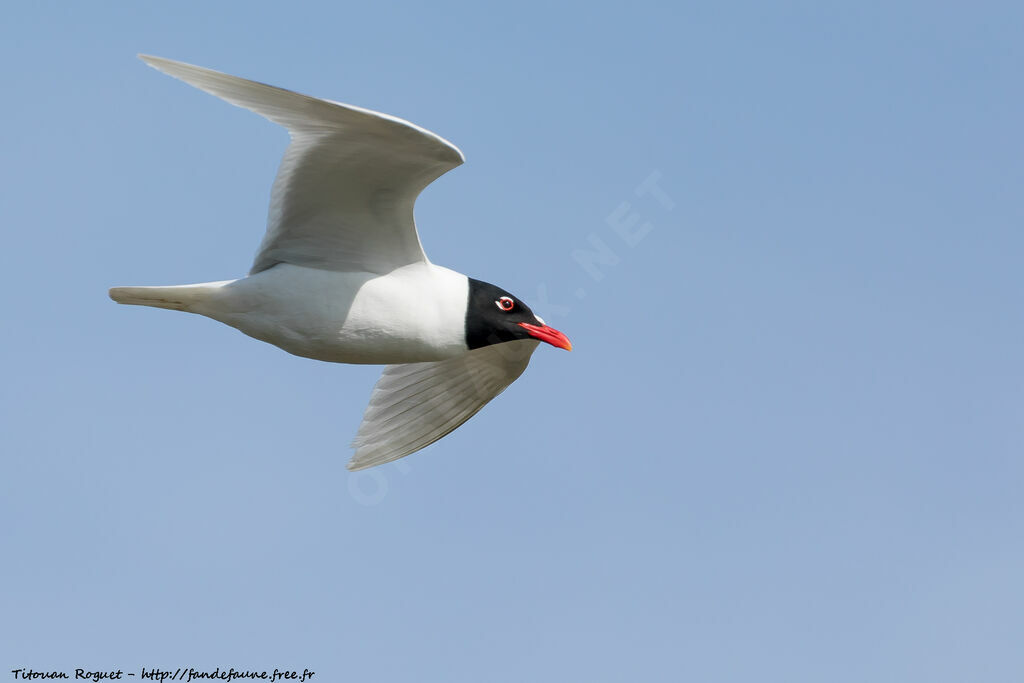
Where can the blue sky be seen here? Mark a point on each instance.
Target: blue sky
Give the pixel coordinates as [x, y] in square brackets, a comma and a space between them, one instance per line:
[787, 446]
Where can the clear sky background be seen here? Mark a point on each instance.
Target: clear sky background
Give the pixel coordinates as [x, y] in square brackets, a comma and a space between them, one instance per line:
[787, 447]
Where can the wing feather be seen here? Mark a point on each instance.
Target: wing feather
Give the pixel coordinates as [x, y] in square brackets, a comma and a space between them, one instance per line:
[415, 404]
[344, 194]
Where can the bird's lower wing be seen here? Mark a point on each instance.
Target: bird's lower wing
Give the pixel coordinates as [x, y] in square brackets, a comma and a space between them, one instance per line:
[415, 404]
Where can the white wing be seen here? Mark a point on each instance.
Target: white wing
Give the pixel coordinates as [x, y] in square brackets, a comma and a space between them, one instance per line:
[343, 197]
[414, 405]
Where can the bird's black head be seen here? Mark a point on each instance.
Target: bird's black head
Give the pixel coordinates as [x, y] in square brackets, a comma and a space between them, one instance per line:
[494, 316]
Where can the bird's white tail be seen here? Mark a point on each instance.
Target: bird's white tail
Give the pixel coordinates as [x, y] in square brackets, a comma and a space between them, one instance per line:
[175, 298]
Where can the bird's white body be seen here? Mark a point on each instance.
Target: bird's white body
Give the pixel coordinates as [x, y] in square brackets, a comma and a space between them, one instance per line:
[413, 314]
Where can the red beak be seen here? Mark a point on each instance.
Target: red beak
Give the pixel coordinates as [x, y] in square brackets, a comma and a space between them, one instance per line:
[548, 334]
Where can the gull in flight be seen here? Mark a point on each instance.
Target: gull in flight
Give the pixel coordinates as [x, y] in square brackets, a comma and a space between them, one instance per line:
[341, 275]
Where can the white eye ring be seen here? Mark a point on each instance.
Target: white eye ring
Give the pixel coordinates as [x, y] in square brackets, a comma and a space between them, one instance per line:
[505, 303]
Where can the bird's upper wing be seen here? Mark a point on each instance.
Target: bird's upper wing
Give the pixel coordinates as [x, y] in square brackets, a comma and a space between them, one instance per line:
[343, 197]
[415, 404]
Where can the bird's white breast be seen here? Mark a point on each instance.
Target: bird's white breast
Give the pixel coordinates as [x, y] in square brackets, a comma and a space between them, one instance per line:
[412, 314]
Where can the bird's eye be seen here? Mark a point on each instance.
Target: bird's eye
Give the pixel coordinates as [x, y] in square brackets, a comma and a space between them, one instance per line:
[505, 303]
